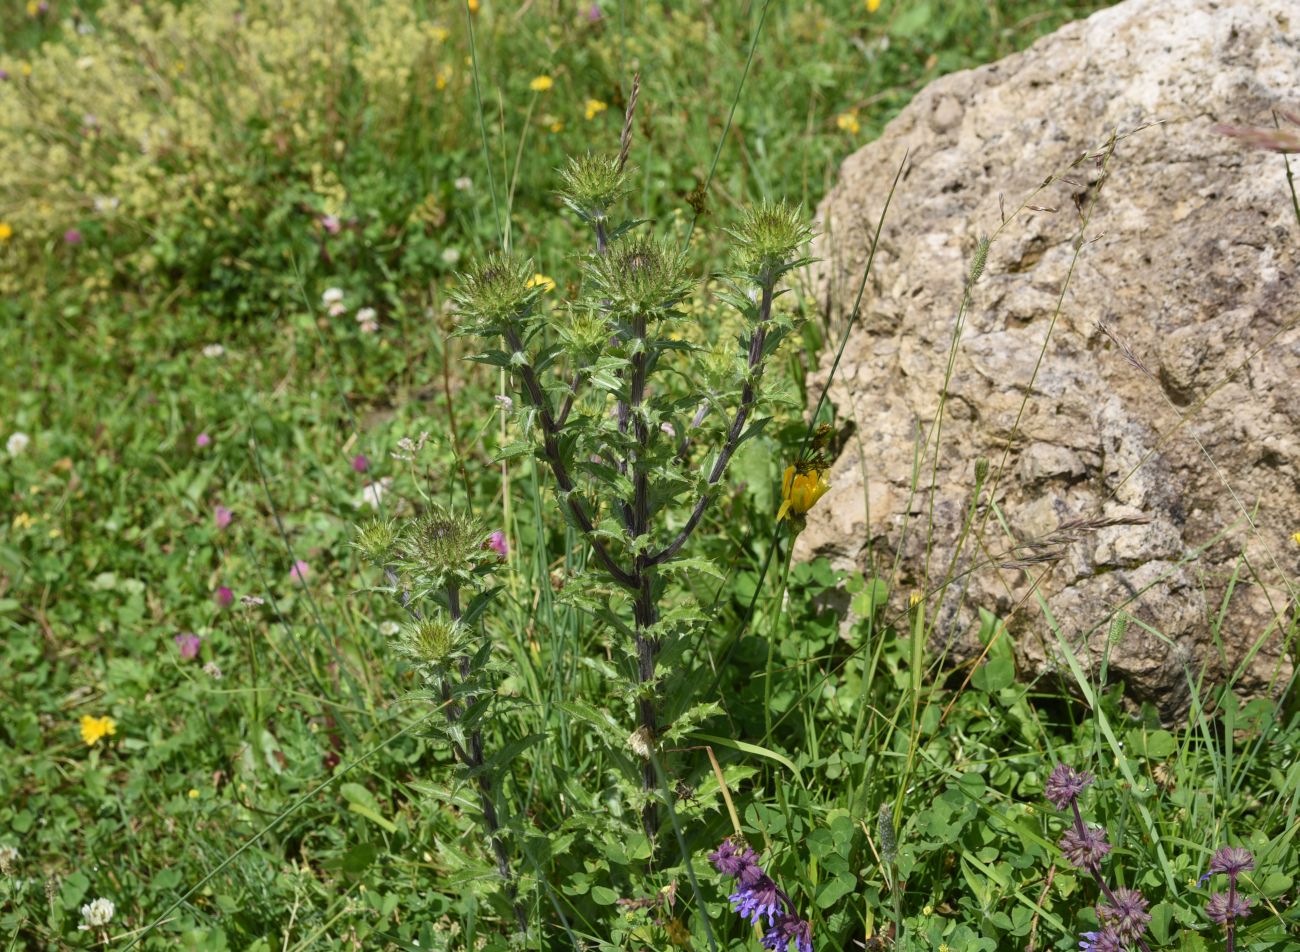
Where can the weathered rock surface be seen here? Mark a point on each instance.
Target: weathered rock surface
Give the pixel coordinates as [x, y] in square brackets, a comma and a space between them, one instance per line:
[1188, 257]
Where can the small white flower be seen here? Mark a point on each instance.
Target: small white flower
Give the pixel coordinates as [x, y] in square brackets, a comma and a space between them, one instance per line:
[451, 256]
[389, 629]
[506, 403]
[212, 670]
[370, 327]
[464, 183]
[373, 493]
[106, 203]
[252, 601]
[338, 310]
[332, 296]
[667, 427]
[97, 914]
[367, 315]
[213, 350]
[8, 859]
[17, 443]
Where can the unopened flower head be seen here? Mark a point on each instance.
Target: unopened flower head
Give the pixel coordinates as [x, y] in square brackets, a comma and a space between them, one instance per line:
[495, 292]
[1125, 912]
[768, 240]
[585, 332]
[640, 277]
[376, 540]
[593, 184]
[1064, 785]
[445, 545]
[1084, 850]
[1226, 907]
[1104, 940]
[427, 641]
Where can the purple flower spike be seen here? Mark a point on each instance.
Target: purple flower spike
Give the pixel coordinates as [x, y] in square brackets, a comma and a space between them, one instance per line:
[1225, 907]
[1232, 860]
[1107, 940]
[1065, 784]
[789, 928]
[1126, 913]
[1084, 850]
[730, 861]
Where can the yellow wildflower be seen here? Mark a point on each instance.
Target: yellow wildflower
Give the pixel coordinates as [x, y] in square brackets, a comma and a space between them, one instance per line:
[444, 75]
[194, 794]
[1296, 538]
[33, 8]
[801, 487]
[473, 5]
[94, 728]
[25, 68]
[23, 521]
[540, 280]
[6, 231]
[439, 33]
[595, 107]
[915, 599]
[873, 6]
[541, 83]
[556, 126]
[848, 122]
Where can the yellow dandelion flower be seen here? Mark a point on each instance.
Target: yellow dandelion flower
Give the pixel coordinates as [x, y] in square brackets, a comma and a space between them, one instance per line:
[194, 794]
[595, 107]
[801, 487]
[915, 599]
[848, 122]
[6, 231]
[25, 68]
[95, 728]
[33, 8]
[873, 6]
[541, 83]
[540, 280]
[1296, 538]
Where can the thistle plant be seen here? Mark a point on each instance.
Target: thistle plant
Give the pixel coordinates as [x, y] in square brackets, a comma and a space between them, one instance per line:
[437, 567]
[635, 462]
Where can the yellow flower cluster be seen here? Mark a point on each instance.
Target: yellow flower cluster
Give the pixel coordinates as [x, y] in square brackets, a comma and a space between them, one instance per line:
[94, 729]
[156, 115]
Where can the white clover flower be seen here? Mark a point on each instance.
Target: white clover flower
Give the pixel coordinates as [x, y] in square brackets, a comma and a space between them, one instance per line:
[97, 914]
[212, 670]
[106, 203]
[17, 443]
[373, 493]
[451, 256]
[464, 183]
[389, 629]
[367, 315]
[213, 351]
[338, 310]
[332, 296]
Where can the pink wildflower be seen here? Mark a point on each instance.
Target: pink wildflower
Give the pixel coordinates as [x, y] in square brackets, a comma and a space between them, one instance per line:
[360, 464]
[300, 571]
[223, 597]
[188, 644]
[497, 543]
[222, 516]
[202, 440]
[72, 237]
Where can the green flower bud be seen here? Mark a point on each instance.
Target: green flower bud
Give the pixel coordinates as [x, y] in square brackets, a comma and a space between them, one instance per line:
[427, 641]
[768, 240]
[640, 276]
[593, 184]
[377, 540]
[446, 545]
[585, 333]
[495, 292]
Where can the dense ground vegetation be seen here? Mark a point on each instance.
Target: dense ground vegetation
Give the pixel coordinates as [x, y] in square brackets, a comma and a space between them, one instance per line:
[228, 234]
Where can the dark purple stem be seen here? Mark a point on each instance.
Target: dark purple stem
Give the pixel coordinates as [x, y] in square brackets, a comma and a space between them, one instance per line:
[1093, 868]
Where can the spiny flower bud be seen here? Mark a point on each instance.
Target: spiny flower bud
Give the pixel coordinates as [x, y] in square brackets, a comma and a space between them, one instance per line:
[446, 544]
[593, 184]
[585, 333]
[426, 641]
[640, 276]
[376, 540]
[495, 292]
[768, 240]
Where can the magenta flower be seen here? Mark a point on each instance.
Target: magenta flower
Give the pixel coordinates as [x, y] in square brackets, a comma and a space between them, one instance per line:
[360, 464]
[202, 440]
[72, 237]
[222, 516]
[594, 13]
[1232, 860]
[223, 597]
[188, 644]
[331, 224]
[757, 897]
[300, 571]
[497, 543]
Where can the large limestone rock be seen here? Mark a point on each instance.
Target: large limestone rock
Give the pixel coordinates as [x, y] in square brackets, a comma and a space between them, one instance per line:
[1188, 258]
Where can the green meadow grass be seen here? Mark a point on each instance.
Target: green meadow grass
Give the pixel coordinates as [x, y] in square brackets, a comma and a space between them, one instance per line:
[296, 800]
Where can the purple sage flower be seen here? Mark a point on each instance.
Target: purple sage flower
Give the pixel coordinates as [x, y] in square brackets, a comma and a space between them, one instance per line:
[1084, 850]
[789, 928]
[188, 644]
[756, 896]
[1065, 784]
[1225, 907]
[1125, 912]
[497, 543]
[360, 463]
[730, 861]
[1232, 860]
[223, 597]
[1107, 940]
[222, 516]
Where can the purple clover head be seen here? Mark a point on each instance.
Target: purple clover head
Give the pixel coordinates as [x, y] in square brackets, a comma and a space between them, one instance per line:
[1225, 907]
[1107, 940]
[788, 928]
[1125, 912]
[1084, 850]
[1232, 860]
[1065, 784]
[188, 645]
